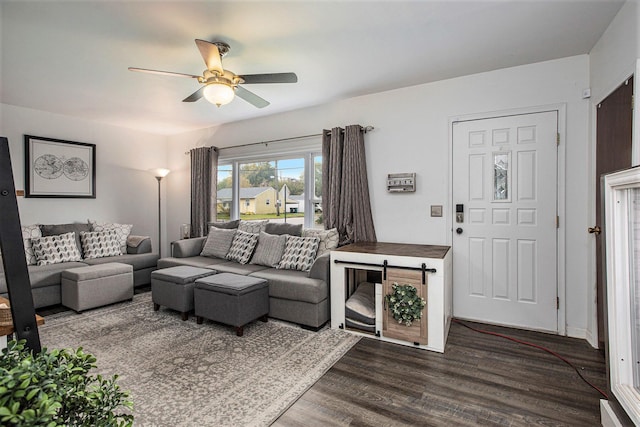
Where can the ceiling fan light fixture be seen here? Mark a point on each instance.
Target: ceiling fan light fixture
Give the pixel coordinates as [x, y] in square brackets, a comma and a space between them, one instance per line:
[219, 93]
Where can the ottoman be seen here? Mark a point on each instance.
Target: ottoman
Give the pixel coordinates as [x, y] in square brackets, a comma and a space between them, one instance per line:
[231, 299]
[96, 285]
[173, 287]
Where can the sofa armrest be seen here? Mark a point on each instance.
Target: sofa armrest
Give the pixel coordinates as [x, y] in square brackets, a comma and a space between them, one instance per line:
[138, 244]
[187, 247]
[321, 268]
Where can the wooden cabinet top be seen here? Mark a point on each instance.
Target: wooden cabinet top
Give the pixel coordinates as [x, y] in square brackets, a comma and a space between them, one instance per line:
[8, 329]
[397, 249]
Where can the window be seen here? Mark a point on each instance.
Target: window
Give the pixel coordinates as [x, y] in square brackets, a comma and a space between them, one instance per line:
[284, 188]
[622, 215]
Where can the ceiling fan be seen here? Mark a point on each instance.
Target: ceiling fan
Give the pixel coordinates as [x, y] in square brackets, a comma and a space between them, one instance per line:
[220, 85]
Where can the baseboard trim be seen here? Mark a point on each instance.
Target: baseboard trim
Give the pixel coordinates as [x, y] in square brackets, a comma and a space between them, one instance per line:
[577, 333]
[608, 417]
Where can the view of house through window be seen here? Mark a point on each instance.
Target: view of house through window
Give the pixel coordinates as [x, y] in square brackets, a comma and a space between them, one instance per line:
[272, 189]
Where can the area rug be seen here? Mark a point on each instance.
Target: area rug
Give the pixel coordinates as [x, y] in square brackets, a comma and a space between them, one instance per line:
[184, 374]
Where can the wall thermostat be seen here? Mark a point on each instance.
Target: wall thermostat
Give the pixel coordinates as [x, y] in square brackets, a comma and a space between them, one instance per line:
[401, 182]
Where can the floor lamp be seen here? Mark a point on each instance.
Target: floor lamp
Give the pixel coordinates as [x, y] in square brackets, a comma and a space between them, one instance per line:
[159, 173]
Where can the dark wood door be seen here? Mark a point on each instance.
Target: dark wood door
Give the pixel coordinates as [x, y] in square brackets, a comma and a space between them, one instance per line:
[613, 152]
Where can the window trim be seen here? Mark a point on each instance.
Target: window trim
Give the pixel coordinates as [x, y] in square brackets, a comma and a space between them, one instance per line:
[306, 151]
[619, 275]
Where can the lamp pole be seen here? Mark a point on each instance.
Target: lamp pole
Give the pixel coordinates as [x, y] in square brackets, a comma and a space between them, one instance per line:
[159, 178]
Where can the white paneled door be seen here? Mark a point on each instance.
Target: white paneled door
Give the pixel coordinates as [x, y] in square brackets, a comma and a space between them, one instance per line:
[505, 238]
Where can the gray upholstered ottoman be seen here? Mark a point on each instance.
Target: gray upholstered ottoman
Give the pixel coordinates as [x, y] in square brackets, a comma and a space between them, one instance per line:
[231, 299]
[96, 285]
[173, 287]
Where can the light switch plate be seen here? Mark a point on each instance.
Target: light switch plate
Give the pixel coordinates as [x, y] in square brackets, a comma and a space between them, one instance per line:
[436, 210]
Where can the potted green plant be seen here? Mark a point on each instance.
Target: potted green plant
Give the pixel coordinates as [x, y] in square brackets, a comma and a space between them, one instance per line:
[54, 388]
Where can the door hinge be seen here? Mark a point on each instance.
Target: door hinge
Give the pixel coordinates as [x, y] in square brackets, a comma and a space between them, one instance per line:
[557, 303]
[558, 138]
[557, 221]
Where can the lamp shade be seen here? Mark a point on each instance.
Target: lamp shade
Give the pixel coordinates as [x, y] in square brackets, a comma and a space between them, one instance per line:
[159, 172]
[218, 93]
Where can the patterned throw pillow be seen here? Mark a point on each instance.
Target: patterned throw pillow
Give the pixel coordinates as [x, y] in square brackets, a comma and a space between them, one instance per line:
[218, 242]
[328, 239]
[123, 231]
[56, 249]
[254, 227]
[100, 244]
[30, 232]
[299, 253]
[270, 249]
[242, 247]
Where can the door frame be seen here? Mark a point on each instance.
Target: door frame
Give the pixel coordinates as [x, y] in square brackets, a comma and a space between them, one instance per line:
[592, 271]
[561, 110]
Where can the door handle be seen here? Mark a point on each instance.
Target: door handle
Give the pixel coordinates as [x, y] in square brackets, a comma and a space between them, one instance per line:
[595, 230]
[459, 230]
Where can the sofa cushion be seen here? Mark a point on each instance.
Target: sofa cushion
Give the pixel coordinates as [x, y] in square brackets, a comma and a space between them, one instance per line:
[234, 267]
[42, 276]
[218, 243]
[299, 253]
[57, 229]
[361, 306]
[269, 250]
[122, 230]
[283, 228]
[242, 247]
[99, 244]
[194, 261]
[56, 249]
[30, 232]
[252, 226]
[224, 224]
[294, 285]
[328, 239]
[138, 261]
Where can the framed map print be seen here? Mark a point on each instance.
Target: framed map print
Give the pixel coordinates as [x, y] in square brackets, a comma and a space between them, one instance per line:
[57, 168]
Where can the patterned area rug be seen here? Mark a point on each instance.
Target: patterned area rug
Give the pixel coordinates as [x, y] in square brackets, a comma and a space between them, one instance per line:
[184, 374]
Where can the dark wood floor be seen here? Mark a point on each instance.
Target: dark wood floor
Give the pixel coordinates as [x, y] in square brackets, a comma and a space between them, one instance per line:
[479, 380]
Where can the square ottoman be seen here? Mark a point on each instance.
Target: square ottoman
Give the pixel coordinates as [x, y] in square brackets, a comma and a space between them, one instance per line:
[173, 287]
[96, 285]
[231, 299]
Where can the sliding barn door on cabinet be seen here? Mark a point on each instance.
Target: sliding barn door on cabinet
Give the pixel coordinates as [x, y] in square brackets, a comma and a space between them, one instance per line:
[391, 328]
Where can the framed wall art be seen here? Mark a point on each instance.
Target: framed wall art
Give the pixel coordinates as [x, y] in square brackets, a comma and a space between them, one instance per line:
[58, 168]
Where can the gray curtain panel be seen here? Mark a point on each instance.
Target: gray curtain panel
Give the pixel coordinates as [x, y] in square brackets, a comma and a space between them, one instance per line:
[204, 176]
[345, 189]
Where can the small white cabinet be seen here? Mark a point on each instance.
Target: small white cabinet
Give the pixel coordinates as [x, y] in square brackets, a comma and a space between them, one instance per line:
[427, 267]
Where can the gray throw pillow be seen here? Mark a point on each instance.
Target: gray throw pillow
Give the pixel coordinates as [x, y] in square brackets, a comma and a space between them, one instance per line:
[218, 243]
[283, 228]
[270, 249]
[254, 226]
[225, 224]
[57, 229]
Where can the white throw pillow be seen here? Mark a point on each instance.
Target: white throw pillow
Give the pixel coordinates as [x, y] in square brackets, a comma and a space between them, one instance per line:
[123, 231]
[254, 227]
[100, 244]
[30, 232]
[328, 239]
[56, 249]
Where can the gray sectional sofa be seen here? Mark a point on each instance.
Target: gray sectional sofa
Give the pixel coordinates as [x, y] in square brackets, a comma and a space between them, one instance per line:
[46, 279]
[295, 296]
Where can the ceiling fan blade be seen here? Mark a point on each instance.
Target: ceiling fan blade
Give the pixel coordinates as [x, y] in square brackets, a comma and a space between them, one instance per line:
[270, 78]
[251, 97]
[163, 73]
[195, 95]
[211, 55]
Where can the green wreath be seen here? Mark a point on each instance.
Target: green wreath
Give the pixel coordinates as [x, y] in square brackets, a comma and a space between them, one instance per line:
[405, 303]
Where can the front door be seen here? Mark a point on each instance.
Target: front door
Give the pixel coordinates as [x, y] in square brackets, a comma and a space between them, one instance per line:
[505, 220]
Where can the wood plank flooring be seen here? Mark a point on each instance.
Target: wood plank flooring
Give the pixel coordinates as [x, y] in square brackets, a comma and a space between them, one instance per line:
[479, 380]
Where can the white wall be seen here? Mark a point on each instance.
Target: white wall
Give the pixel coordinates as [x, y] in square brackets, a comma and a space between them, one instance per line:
[125, 191]
[411, 135]
[612, 60]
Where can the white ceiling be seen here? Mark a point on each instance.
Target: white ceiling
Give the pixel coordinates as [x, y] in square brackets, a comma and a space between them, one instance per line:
[71, 57]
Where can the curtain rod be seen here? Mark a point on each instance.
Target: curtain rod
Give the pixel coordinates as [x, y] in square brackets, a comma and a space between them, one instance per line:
[364, 128]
